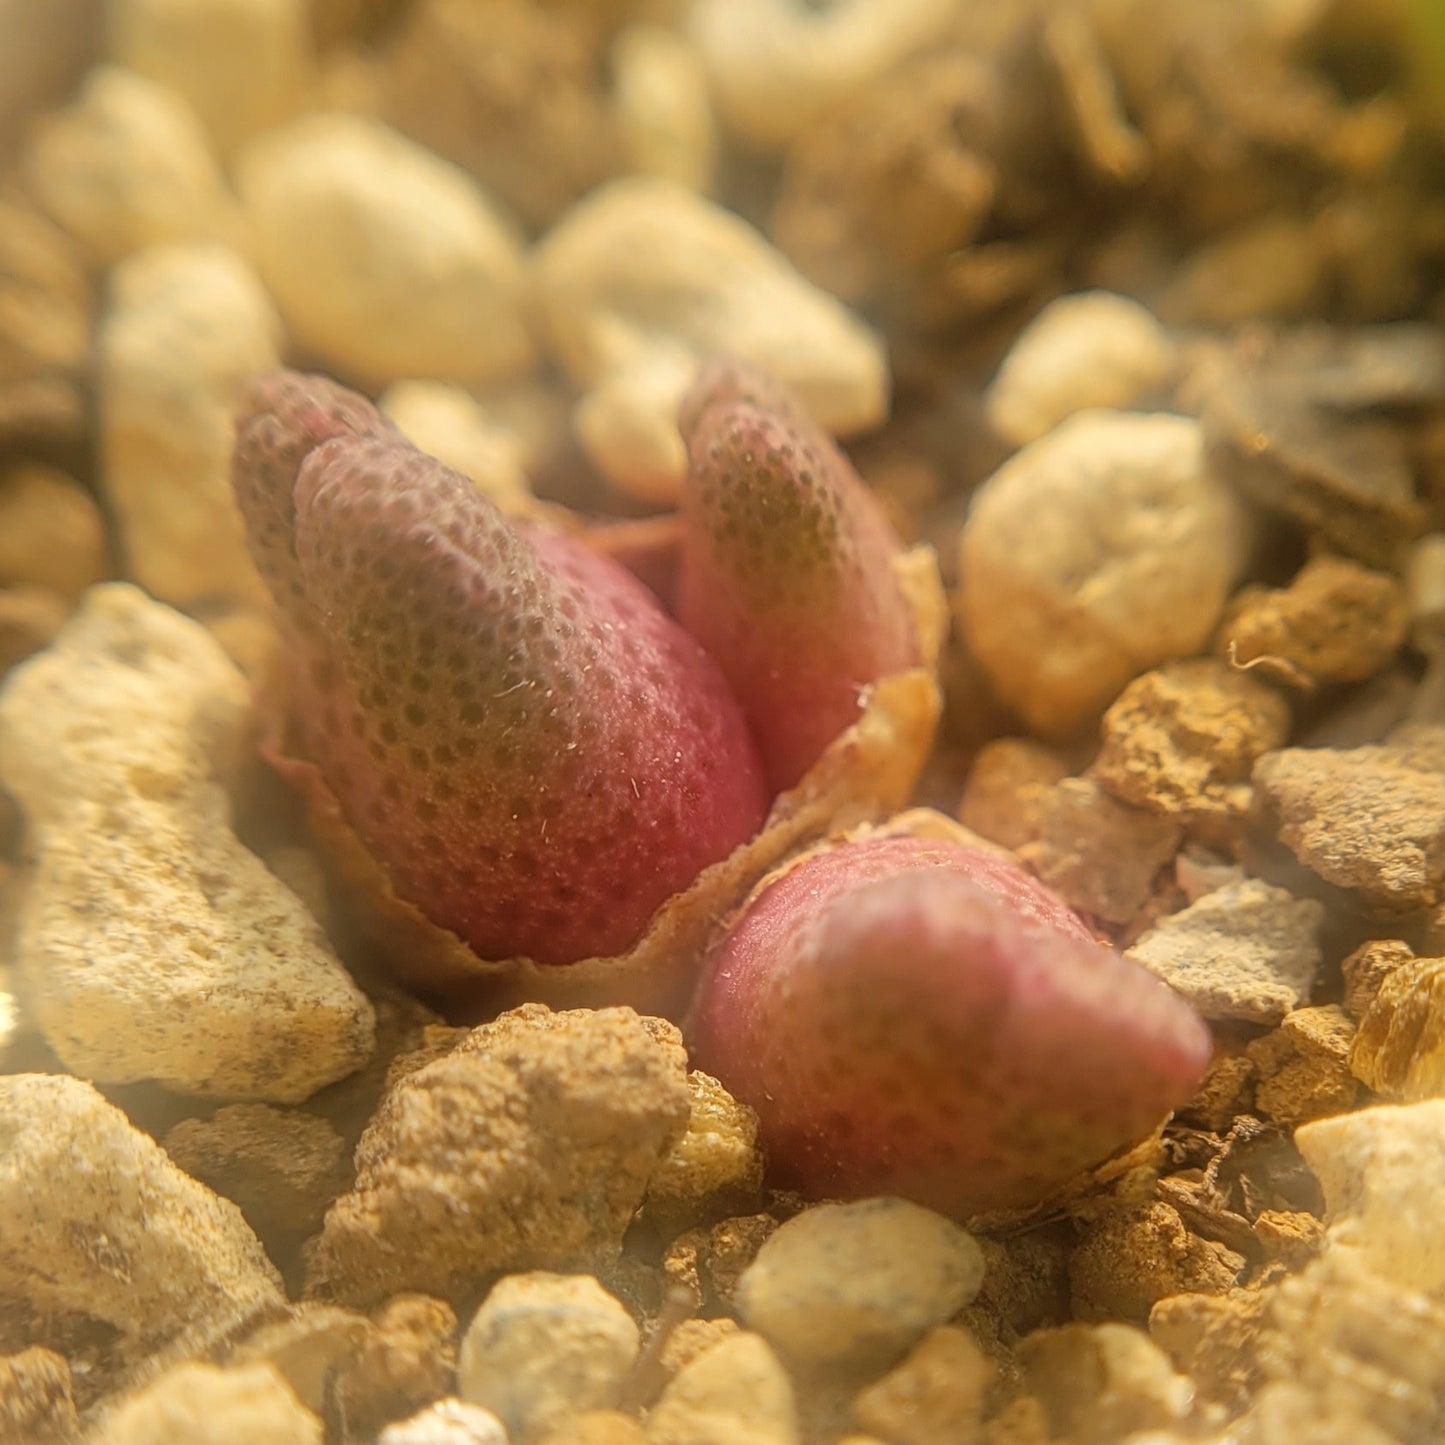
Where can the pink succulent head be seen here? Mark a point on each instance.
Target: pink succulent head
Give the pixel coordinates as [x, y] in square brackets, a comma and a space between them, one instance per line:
[922, 1018]
[535, 752]
[786, 572]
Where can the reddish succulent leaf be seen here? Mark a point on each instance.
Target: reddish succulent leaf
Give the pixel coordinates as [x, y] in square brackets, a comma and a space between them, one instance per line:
[534, 751]
[786, 572]
[924, 1019]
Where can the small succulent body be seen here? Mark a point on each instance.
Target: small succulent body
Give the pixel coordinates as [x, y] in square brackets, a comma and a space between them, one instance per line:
[537, 754]
[922, 1018]
[786, 570]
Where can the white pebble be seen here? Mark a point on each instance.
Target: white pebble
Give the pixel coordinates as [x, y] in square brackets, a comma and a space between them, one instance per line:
[447, 1422]
[546, 1346]
[858, 1284]
[128, 164]
[384, 259]
[644, 279]
[1094, 554]
[1091, 350]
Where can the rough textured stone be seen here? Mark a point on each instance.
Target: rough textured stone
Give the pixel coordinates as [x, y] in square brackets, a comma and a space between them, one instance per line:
[241, 64]
[1336, 622]
[544, 1347]
[306, 1345]
[1008, 789]
[36, 1407]
[735, 1391]
[383, 258]
[1399, 1050]
[1371, 818]
[406, 1358]
[528, 1147]
[184, 328]
[1304, 1066]
[934, 1396]
[1095, 349]
[127, 165]
[206, 1406]
[714, 1169]
[150, 944]
[1097, 552]
[643, 280]
[845, 1285]
[95, 1221]
[1184, 738]
[1247, 951]
[1367, 968]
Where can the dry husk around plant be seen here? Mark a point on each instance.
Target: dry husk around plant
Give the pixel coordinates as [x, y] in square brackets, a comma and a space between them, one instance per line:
[868, 772]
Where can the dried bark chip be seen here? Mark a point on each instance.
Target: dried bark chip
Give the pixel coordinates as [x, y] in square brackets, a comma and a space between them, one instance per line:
[1369, 818]
[1182, 739]
[1248, 951]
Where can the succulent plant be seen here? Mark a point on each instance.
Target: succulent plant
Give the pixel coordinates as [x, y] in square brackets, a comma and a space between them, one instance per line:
[537, 754]
[786, 572]
[920, 1017]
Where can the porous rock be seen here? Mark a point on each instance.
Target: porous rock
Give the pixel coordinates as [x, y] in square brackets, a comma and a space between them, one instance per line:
[1097, 552]
[36, 1407]
[126, 165]
[383, 258]
[241, 64]
[738, 1390]
[543, 1347]
[716, 1167]
[1184, 738]
[186, 325]
[1095, 349]
[95, 1221]
[934, 1396]
[1248, 951]
[204, 1405]
[528, 1147]
[644, 279]
[851, 1285]
[1370, 818]
[149, 943]
[1304, 1066]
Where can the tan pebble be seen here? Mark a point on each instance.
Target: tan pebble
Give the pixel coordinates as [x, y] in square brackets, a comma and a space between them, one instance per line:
[1099, 855]
[1304, 1066]
[1288, 1235]
[543, 1347]
[1022, 1421]
[1425, 589]
[1399, 1051]
[1184, 738]
[737, 1391]
[306, 1347]
[36, 1407]
[1025, 1284]
[51, 531]
[242, 64]
[1367, 968]
[126, 1238]
[1008, 788]
[691, 1338]
[447, 1422]
[1211, 1338]
[1089, 350]
[1273, 268]
[934, 1396]
[641, 281]
[1227, 1090]
[1248, 951]
[1100, 1383]
[30, 619]
[1337, 621]
[1382, 1171]
[855, 1285]
[715, 1168]
[776, 66]
[1094, 554]
[206, 1406]
[281, 1166]
[448, 423]
[383, 258]
[661, 107]
[599, 1427]
[1136, 1256]
[117, 743]
[1370, 818]
[184, 329]
[126, 165]
[407, 1357]
[515, 1151]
